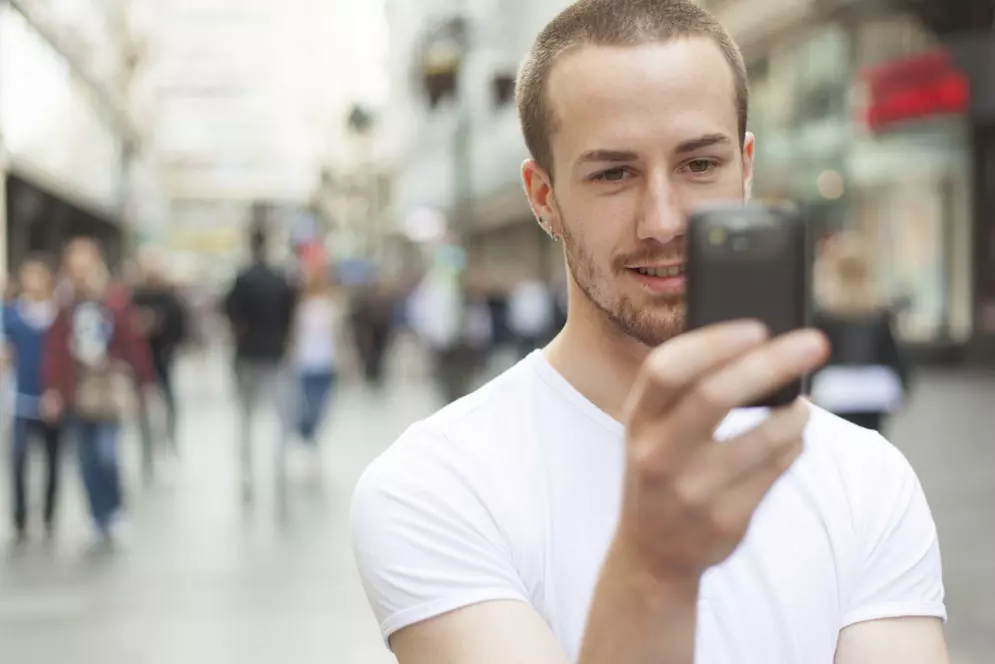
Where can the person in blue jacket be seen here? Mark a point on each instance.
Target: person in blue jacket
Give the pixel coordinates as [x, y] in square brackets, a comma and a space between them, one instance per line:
[26, 321]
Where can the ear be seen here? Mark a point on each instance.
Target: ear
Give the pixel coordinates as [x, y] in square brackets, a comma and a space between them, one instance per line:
[539, 189]
[749, 149]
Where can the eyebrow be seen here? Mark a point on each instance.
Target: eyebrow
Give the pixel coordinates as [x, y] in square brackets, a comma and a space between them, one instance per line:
[623, 156]
[612, 156]
[704, 141]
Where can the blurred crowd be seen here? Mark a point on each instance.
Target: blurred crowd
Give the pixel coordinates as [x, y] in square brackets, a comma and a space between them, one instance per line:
[88, 350]
[85, 349]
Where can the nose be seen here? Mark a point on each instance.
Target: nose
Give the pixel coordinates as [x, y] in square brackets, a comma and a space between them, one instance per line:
[661, 214]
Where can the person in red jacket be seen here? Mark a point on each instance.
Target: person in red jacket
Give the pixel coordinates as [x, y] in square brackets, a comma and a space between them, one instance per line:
[93, 351]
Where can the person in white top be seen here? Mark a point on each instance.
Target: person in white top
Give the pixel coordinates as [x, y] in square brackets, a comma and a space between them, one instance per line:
[608, 500]
[317, 333]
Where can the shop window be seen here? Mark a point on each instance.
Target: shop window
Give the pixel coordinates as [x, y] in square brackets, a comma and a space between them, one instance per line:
[905, 227]
[890, 38]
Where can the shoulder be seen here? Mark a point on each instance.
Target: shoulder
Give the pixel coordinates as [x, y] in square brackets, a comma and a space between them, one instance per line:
[461, 443]
[443, 519]
[860, 454]
[847, 470]
[892, 566]
[475, 460]
[862, 477]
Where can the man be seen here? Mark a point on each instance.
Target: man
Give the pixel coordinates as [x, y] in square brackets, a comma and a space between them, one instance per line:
[580, 508]
[91, 348]
[26, 322]
[163, 319]
[259, 307]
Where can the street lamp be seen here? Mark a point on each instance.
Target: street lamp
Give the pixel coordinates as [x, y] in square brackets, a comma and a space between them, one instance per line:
[365, 186]
[441, 58]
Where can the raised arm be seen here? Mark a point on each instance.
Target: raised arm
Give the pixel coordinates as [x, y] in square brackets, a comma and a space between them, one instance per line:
[687, 505]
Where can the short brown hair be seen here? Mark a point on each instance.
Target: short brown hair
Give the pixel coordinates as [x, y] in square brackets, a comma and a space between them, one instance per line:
[614, 23]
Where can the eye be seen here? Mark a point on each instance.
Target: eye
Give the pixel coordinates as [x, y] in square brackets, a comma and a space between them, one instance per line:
[612, 175]
[700, 165]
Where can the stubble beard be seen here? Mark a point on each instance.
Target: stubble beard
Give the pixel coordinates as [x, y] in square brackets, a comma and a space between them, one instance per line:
[650, 325]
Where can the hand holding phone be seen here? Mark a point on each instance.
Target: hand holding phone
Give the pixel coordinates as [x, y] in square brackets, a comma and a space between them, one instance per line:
[750, 262]
[688, 498]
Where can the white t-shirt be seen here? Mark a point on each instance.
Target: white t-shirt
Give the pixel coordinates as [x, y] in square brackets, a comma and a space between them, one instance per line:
[317, 323]
[513, 493]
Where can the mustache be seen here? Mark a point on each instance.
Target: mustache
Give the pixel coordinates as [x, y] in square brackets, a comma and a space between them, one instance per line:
[656, 253]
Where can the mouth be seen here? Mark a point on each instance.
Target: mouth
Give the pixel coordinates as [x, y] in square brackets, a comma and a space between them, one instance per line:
[664, 280]
[660, 272]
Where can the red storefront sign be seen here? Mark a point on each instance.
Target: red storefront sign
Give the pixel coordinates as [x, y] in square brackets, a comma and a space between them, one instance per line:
[914, 88]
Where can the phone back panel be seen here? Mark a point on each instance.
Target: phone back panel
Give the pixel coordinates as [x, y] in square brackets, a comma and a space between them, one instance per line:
[749, 262]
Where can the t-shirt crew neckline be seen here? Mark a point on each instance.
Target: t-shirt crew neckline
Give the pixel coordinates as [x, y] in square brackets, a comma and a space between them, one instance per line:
[564, 389]
[736, 421]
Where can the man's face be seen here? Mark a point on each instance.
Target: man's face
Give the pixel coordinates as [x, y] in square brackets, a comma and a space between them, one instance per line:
[642, 136]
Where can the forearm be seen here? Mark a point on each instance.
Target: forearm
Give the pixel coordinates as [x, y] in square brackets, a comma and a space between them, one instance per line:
[640, 620]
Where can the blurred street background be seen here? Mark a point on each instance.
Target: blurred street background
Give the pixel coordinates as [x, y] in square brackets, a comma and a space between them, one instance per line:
[382, 136]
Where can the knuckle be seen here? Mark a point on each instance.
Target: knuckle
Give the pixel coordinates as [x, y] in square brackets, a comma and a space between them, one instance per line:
[690, 495]
[726, 524]
[647, 465]
[712, 395]
[641, 456]
[660, 371]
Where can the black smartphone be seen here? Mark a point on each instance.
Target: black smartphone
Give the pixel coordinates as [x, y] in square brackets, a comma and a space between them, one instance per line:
[750, 261]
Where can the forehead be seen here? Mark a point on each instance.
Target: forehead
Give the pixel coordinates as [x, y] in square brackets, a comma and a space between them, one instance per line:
[82, 250]
[632, 96]
[34, 266]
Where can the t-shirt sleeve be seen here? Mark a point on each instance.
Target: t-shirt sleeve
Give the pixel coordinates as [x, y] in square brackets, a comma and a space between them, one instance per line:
[898, 572]
[425, 541]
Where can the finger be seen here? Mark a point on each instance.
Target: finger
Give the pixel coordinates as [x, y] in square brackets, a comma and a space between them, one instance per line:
[723, 466]
[708, 469]
[748, 378]
[739, 504]
[671, 368]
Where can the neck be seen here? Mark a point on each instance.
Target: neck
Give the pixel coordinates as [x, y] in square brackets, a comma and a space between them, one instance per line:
[595, 358]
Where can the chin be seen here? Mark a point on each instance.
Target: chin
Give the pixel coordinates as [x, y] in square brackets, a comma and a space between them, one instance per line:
[652, 325]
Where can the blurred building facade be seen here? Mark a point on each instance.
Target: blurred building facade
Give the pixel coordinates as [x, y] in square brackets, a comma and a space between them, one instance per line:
[245, 105]
[458, 147]
[867, 114]
[65, 134]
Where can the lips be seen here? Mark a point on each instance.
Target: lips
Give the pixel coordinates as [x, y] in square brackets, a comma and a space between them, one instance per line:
[661, 272]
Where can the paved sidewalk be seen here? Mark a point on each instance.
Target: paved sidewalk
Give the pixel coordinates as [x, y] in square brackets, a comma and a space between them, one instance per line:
[206, 581]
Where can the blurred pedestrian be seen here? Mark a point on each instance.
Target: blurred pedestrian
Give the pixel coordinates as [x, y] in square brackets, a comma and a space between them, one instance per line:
[92, 355]
[259, 307]
[373, 324]
[316, 346]
[437, 315]
[866, 377]
[26, 322]
[162, 318]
